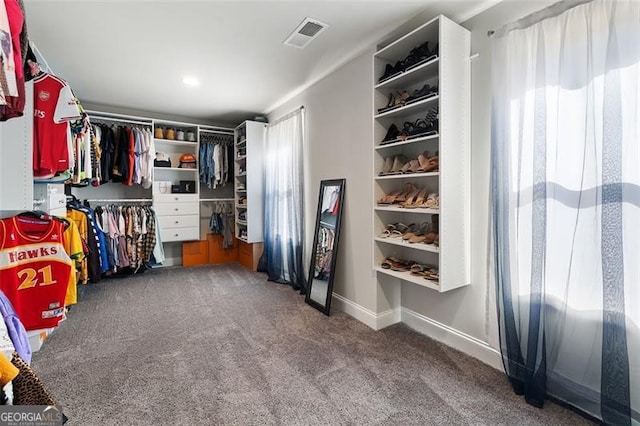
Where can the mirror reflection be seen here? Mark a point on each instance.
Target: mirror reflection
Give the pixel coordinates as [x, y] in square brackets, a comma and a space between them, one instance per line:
[325, 244]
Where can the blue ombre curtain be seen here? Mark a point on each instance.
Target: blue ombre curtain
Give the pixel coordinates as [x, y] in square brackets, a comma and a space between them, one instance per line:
[566, 205]
[282, 258]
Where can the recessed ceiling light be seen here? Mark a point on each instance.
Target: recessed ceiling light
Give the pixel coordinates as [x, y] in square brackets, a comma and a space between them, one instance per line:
[190, 81]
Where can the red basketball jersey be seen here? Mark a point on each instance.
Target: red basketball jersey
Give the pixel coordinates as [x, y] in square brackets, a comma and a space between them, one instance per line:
[34, 270]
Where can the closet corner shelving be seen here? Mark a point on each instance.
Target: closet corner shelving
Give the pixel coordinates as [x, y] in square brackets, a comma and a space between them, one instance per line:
[249, 191]
[178, 213]
[450, 71]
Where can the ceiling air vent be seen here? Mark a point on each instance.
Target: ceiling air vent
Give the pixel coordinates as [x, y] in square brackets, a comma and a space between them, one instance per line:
[304, 33]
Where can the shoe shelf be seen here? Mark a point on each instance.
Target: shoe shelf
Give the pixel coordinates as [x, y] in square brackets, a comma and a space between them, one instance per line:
[409, 78]
[397, 241]
[407, 176]
[448, 113]
[248, 172]
[407, 142]
[406, 276]
[409, 109]
[419, 210]
[176, 169]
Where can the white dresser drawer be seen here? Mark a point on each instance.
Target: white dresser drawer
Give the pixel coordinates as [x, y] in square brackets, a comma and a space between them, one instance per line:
[180, 234]
[176, 221]
[177, 208]
[176, 198]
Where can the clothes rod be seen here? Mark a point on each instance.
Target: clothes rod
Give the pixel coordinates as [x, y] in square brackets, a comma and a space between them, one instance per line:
[204, 200]
[114, 116]
[219, 132]
[118, 120]
[120, 200]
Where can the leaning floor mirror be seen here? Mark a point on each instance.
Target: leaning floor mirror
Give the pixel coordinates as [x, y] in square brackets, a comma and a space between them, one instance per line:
[325, 244]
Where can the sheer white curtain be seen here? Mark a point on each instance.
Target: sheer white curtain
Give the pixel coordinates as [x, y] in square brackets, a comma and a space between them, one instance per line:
[566, 199]
[284, 216]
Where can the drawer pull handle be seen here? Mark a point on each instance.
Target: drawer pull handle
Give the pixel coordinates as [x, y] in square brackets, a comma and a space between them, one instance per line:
[175, 210]
[175, 235]
[177, 221]
[176, 198]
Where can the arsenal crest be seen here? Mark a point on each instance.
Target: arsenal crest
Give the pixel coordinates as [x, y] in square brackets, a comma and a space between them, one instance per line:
[44, 95]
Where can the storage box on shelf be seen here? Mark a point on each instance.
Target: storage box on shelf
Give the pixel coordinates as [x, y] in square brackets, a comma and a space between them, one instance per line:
[421, 140]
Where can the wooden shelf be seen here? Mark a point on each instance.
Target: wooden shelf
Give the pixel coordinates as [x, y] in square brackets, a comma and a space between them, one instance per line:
[398, 241]
[406, 276]
[241, 222]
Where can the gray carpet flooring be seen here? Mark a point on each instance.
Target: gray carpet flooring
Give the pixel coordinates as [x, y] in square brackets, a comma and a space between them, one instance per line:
[220, 345]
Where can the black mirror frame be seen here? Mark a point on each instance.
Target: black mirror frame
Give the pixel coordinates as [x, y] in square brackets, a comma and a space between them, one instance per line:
[334, 255]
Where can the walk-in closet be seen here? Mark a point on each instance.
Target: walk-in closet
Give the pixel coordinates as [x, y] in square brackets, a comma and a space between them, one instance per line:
[319, 213]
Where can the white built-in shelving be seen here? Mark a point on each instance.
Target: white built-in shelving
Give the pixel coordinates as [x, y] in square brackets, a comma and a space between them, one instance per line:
[449, 70]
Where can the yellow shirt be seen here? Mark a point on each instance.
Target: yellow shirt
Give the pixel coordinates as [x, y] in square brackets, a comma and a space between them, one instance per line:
[81, 221]
[8, 371]
[73, 247]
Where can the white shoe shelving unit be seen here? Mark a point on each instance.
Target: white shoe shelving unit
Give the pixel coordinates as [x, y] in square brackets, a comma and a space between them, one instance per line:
[450, 71]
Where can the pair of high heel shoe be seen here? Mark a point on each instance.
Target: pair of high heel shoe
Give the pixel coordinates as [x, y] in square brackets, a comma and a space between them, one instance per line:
[418, 56]
[412, 197]
[401, 98]
[399, 164]
[413, 233]
[411, 130]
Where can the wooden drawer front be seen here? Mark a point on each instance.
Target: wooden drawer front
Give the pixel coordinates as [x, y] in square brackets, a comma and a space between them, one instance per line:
[175, 198]
[180, 234]
[175, 209]
[186, 221]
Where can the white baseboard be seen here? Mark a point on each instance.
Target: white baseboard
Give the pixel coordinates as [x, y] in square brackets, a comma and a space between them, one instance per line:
[422, 324]
[364, 315]
[452, 337]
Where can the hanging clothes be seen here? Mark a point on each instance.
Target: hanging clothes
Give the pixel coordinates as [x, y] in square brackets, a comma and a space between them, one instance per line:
[129, 234]
[54, 106]
[222, 221]
[13, 32]
[216, 151]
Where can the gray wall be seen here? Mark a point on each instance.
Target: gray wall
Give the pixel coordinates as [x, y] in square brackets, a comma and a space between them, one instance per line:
[339, 133]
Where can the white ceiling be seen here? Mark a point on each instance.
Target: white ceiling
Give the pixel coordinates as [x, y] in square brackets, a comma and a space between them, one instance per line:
[135, 54]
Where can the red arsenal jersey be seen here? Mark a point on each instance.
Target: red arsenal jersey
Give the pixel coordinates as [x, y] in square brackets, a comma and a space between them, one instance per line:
[54, 106]
[34, 270]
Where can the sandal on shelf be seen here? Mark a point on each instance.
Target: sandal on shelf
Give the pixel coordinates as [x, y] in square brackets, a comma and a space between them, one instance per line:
[428, 163]
[410, 167]
[390, 198]
[398, 163]
[419, 199]
[420, 236]
[388, 165]
[408, 189]
[411, 230]
[432, 201]
[391, 136]
[386, 264]
[411, 198]
[401, 266]
[418, 269]
[430, 238]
